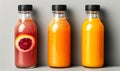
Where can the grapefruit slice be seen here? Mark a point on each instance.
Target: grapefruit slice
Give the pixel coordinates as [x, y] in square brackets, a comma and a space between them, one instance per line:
[24, 42]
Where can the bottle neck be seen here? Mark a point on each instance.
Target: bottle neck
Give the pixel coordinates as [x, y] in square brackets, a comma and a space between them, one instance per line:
[23, 15]
[58, 14]
[92, 14]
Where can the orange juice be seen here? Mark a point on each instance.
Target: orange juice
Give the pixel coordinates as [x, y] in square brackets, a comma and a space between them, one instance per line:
[59, 41]
[92, 39]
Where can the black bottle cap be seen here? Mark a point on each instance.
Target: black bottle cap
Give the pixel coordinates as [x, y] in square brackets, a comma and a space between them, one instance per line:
[92, 7]
[24, 7]
[59, 7]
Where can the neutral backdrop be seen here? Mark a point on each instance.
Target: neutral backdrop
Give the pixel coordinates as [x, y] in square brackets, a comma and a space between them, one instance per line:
[110, 15]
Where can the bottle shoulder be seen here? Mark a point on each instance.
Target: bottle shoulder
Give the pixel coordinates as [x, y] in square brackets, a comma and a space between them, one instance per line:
[26, 22]
[60, 23]
[94, 23]
[25, 26]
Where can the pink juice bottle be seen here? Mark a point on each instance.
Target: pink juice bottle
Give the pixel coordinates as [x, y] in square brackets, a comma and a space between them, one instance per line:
[25, 41]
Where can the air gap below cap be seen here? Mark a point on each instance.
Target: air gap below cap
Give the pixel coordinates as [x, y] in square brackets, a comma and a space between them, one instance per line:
[59, 7]
[92, 7]
[24, 7]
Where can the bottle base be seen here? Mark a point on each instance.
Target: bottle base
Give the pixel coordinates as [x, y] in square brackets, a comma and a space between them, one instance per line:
[59, 66]
[92, 66]
[26, 67]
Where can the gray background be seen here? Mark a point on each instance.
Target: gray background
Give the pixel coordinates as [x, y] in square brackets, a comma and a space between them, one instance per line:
[110, 16]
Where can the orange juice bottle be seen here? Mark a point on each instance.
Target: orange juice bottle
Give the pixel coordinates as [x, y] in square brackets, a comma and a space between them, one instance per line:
[92, 38]
[59, 38]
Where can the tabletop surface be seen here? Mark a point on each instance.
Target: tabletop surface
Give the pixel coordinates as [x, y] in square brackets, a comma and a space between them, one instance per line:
[46, 68]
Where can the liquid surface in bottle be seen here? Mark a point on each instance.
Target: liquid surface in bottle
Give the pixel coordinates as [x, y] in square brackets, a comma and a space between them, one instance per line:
[25, 43]
[92, 43]
[59, 43]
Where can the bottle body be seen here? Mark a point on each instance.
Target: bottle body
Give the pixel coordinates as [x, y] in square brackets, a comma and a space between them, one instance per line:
[23, 31]
[59, 43]
[25, 41]
[92, 43]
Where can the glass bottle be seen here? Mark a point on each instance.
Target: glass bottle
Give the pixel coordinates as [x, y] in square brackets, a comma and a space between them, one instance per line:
[92, 38]
[25, 38]
[59, 38]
